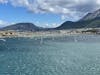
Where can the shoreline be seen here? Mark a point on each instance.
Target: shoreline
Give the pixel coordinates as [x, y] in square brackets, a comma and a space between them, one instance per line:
[46, 34]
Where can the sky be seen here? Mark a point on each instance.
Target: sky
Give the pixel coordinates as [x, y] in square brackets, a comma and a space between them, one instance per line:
[44, 13]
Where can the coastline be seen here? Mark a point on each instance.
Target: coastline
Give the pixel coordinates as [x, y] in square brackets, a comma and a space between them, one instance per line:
[51, 33]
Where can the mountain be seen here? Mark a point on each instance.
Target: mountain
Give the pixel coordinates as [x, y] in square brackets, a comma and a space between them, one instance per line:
[91, 16]
[22, 27]
[91, 20]
[73, 25]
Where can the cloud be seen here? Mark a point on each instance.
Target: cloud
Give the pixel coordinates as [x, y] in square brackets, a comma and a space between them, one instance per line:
[47, 25]
[70, 8]
[52, 25]
[3, 1]
[20, 3]
[4, 23]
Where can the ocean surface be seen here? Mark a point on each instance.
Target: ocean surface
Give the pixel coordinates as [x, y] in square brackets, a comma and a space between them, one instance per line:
[67, 55]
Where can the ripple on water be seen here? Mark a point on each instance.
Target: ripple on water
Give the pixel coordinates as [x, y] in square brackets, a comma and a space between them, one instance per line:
[57, 56]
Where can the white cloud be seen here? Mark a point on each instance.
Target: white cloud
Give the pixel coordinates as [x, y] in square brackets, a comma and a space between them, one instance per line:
[52, 25]
[4, 23]
[3, 1]
[47, 25]
[55, 25]
[63, 7]
[23, 3]
[98, 2]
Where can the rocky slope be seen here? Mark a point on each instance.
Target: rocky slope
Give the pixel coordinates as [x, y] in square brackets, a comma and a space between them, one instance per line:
[91, 16]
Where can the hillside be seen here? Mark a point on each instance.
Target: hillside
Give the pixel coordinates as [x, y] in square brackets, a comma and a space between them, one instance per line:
[22, 27]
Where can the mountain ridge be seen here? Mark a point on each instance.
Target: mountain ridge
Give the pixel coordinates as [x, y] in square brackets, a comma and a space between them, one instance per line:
[90, 20]
[92, 15]
[22, 27]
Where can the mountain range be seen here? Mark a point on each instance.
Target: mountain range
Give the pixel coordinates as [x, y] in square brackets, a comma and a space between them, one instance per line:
[91, 20]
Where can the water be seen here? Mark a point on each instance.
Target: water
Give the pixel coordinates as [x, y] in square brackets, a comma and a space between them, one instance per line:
[70, 55]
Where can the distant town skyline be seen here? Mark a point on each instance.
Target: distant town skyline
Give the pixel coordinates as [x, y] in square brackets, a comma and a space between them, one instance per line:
[44, 13]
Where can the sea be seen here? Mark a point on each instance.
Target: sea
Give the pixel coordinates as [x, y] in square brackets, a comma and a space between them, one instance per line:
[66, 55]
